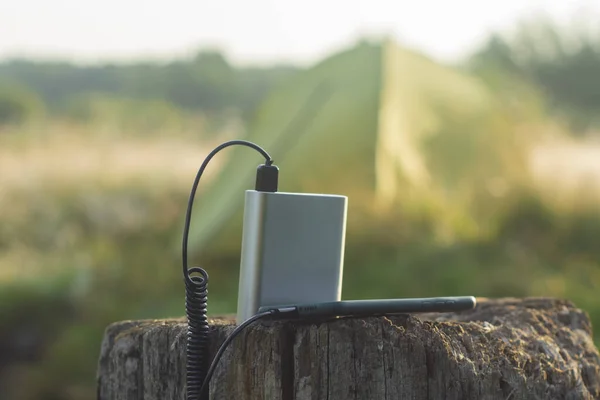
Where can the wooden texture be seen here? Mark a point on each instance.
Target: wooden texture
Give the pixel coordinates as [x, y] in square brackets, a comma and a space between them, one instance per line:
[505, 349]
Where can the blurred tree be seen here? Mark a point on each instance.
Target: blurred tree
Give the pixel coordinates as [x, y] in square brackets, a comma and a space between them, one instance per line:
[253, 85]
[495, 54]
[55, 82]
[18, 104]
[206, 82]
[563, 62]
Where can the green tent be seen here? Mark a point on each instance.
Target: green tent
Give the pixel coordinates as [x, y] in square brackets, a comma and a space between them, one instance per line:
[383, 125]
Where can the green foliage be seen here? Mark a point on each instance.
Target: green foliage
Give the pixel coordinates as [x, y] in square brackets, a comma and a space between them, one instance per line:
[33, 314]
[206, 81]
[562, 62]
[18, 104]
[37, 301]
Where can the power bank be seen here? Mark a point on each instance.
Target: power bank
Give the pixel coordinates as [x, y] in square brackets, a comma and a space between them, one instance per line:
[292, 250]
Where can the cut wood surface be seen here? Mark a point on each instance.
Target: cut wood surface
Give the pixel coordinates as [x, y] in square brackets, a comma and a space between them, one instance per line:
[533, 348]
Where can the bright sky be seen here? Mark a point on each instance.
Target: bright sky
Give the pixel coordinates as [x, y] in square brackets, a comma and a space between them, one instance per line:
[256, 31]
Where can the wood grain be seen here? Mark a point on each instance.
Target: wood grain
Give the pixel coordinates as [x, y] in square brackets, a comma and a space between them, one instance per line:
[509, 349]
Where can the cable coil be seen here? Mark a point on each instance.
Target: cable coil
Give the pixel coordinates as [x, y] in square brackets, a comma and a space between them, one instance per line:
[196, 300]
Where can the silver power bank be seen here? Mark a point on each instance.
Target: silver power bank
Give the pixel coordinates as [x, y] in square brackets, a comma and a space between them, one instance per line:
[292, 250]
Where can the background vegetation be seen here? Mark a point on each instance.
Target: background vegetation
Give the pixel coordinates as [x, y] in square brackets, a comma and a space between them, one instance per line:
[96, 165]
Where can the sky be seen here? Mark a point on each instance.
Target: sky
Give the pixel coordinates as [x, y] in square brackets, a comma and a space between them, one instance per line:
[257, 31]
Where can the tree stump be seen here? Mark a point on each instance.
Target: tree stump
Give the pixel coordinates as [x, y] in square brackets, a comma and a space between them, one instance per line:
[509, 349]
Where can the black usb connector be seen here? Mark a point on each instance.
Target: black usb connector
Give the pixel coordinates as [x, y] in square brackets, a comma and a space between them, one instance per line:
[267, 178]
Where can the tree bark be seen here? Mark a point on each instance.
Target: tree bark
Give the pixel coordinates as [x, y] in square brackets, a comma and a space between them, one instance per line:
[507, 349]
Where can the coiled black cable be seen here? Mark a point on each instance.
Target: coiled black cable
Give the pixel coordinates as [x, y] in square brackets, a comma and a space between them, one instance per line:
[196, 297]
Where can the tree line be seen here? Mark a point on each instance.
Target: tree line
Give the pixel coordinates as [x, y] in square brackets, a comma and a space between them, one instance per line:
[206, 82]
[562, 64]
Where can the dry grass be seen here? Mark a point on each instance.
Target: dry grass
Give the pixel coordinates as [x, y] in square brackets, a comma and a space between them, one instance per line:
[49, 175]
[59, 157]
[567, 171]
